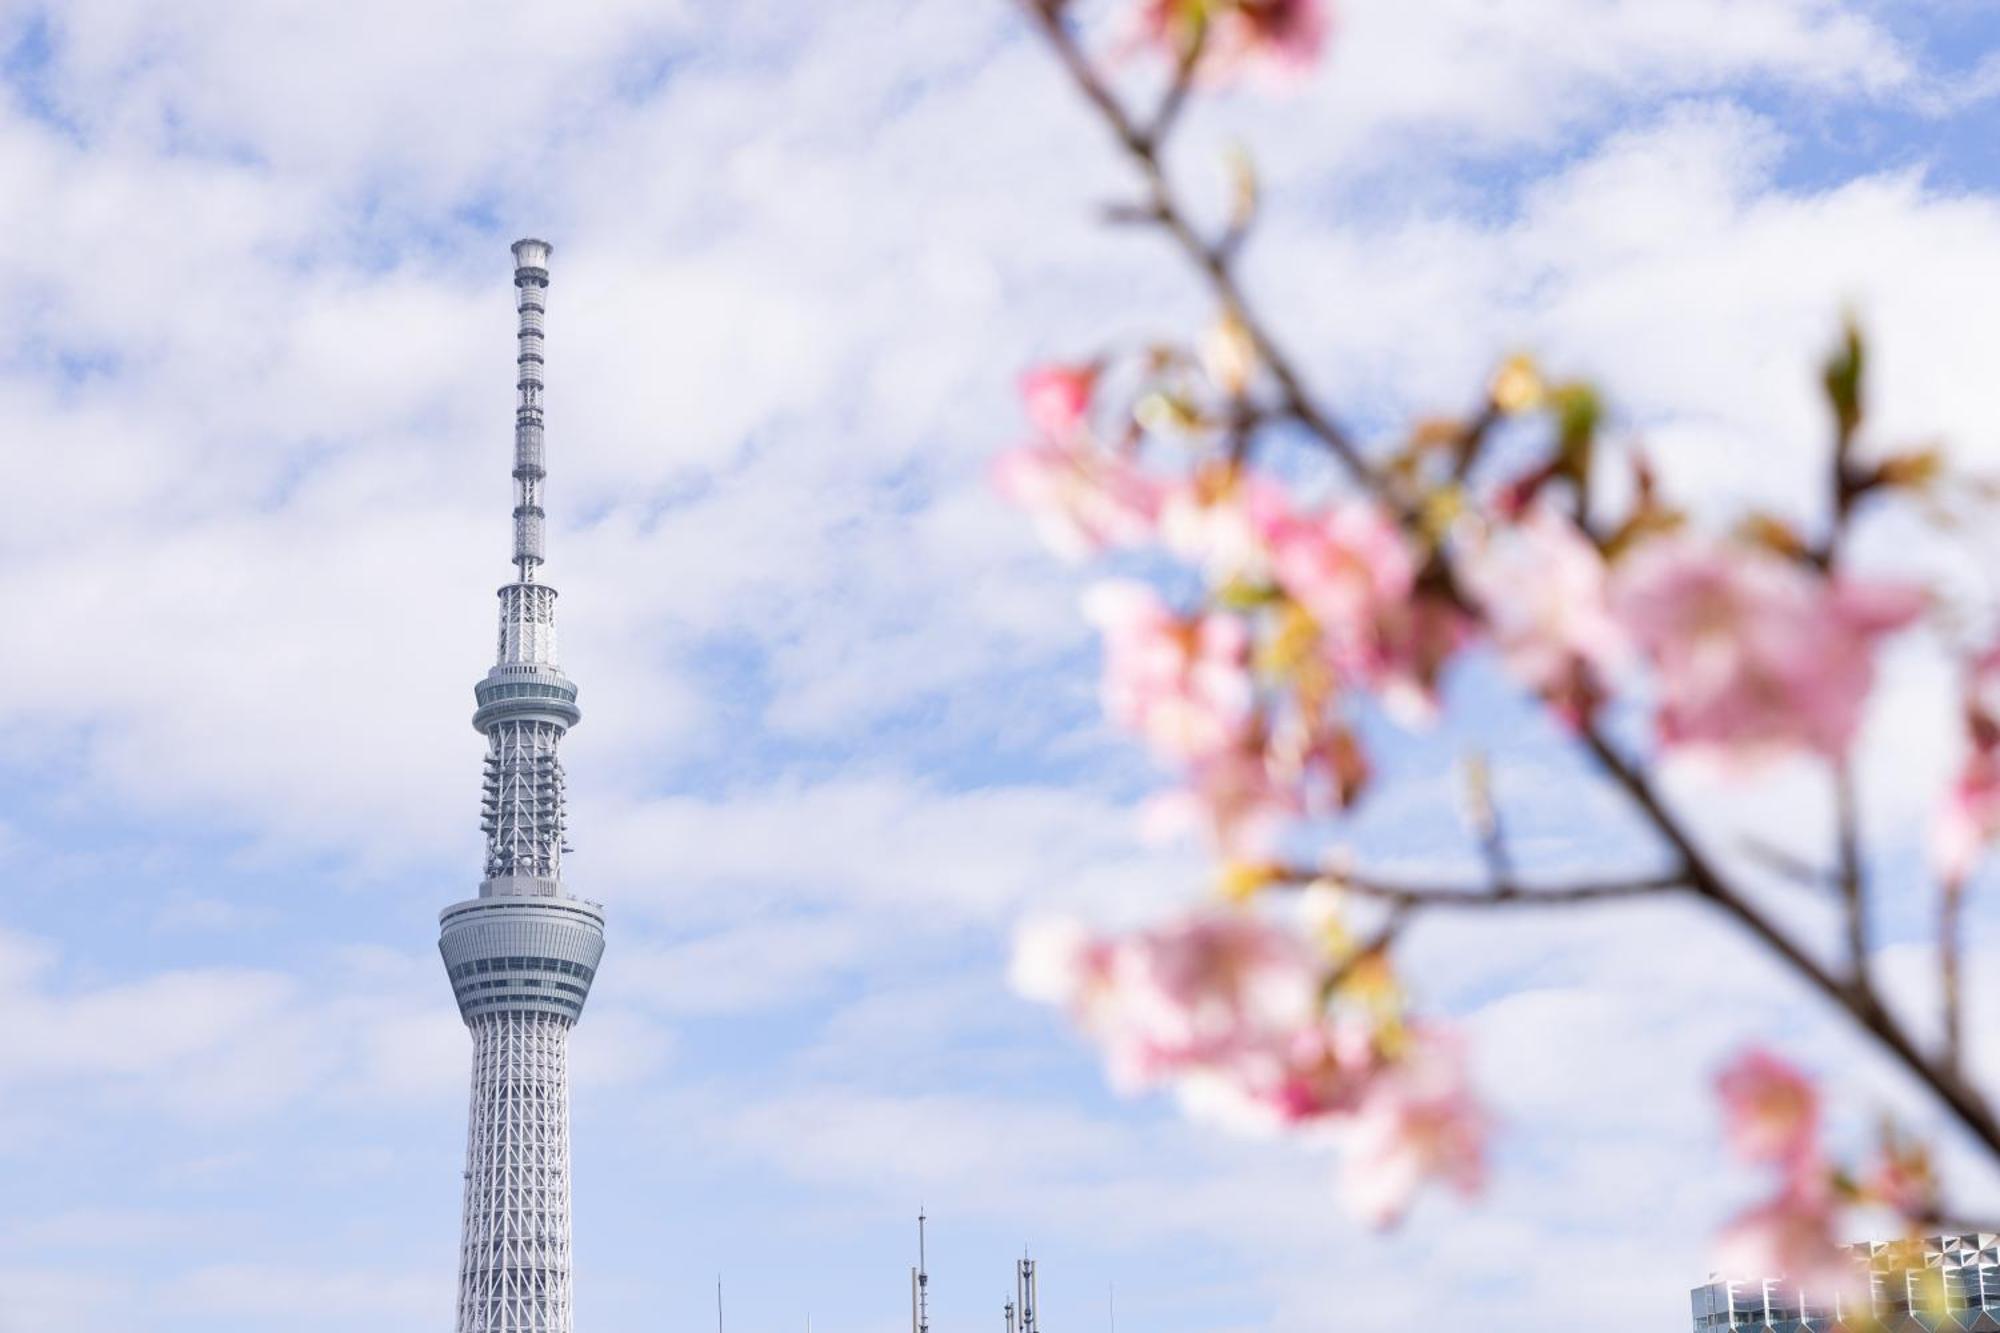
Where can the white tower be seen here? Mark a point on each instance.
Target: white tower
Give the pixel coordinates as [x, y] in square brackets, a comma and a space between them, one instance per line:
[521, 955]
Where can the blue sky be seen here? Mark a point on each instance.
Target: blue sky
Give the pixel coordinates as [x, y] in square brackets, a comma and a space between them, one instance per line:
[839, 729]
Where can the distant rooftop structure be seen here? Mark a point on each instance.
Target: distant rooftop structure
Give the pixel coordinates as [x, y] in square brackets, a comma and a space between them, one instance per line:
[1939, 1284]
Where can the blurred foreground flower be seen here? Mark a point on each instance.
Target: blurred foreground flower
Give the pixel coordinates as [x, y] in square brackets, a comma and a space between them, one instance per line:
[1283, 37]
[1771, 1111]
[1417, 1122]
[1181, 683]
[1755, 653]
[1541, 584]
[1791, 1236]
[1083, 496]
[1233, 1012]
[1971, 816]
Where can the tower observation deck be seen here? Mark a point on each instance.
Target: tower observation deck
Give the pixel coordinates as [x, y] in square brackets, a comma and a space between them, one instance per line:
[522, 954]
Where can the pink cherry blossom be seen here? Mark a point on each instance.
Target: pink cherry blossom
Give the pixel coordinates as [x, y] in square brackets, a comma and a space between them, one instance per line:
[1082, 496]
[1771, 1110]
[1236, 798]
[1902, 1178]
[1792, 1236]
[1540, 584]
[1224, 1006]
[1225, 521]
[1320, 758]
[1970, 819]
[1755, 652]
[1417, 639]
[1192, 995]
[1057, 398]
[1352, 571]
[1227, 1007]
[1180, 682]
[1279, 36]
[1417, 1122]
[1971, 816]
[1322, 1070]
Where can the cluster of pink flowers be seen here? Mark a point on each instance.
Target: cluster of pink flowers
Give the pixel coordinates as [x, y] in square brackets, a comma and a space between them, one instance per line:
[1182, 683]
[1083, 496]
[1284, 37]
[1970, 819]
[1771, 1115]
[1751, 652]
[1772, 1118]
[1228, 1008]
[1754, 652]
[1541, 586]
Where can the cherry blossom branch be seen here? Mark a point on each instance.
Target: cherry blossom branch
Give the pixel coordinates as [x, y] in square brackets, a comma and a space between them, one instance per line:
[1853, 897]
[1505, 893]
[1374, 947]
[1843, 385]
[1164, 210]
[1951, 967]
[1789, 865]
[1696, 873]
[1177, 92]
[1859, 1001]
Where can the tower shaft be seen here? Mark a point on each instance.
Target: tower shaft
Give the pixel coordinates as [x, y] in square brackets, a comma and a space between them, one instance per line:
[513, 1268]
[521, 955]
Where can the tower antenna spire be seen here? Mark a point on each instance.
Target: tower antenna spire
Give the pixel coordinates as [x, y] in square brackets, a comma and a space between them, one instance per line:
[531, 283]
[920, 1282]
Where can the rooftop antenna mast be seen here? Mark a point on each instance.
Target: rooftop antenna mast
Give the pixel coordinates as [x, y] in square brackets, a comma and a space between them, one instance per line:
[1024, 1292]
[1010, 1317]
[920, 1282]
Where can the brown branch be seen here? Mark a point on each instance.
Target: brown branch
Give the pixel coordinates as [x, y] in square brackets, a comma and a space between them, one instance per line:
[1853, 900]
[1215, 262]
[1951, 967]
[1788, 864]
[1503, 893]
[1861, 1004]
[1948, 1222]
[1175, 100]
[1374, 946]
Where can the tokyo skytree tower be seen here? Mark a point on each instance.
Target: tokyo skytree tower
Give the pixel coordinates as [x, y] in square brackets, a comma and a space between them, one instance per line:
[522, 954]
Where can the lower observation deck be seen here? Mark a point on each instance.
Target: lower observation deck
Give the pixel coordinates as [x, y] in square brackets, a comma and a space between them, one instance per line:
[521, 955]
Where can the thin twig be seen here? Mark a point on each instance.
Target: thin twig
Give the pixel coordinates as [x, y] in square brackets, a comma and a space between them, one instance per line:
[1853, 901]
[1951, 967]
[1501, 894]
[1176, 96]
[1488, 824]
[1215, 263]
[1789, 865]
[1374, 946]
[1965, 1101]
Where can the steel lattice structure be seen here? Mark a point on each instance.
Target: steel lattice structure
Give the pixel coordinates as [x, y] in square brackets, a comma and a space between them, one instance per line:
[522, 955]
